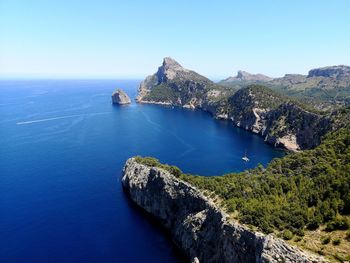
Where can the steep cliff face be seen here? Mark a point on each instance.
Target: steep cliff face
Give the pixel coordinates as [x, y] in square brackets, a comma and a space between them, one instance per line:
[339, 72]
[255, 108]
[294, 128]
[280, 121]
[197, 226]
[174, 85]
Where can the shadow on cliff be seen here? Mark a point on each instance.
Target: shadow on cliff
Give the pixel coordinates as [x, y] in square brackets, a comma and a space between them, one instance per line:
[156, 224]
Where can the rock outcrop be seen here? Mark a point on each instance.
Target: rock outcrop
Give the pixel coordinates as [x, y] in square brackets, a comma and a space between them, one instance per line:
[255, 108]
[243, 76]
[120, 97]
[197, 226]
[323, 87]
[172, 84]
[280, 122]
[339, 72]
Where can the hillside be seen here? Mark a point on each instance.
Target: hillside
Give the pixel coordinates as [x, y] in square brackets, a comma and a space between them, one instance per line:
[174, 85]
[300, 197]
[324, 88]
[281, 120]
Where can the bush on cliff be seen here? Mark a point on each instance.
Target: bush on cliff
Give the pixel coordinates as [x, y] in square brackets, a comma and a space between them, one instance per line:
[305, 189]
[309, 188]
[153, 162]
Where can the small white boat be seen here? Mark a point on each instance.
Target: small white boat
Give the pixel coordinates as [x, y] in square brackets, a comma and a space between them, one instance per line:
[245, 158]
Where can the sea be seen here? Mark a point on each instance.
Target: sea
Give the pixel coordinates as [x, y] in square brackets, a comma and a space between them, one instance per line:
[62, 150]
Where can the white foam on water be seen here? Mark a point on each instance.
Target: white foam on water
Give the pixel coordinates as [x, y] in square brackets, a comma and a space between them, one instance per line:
[61, 117]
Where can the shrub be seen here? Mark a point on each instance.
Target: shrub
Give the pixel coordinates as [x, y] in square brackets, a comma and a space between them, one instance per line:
[339, 223]
[153, 162]
[314, 223]
[174, 170]
[287, 235]
[347, 236]
[149, 161]
[325, 240]
[336, 241]
[298, 239]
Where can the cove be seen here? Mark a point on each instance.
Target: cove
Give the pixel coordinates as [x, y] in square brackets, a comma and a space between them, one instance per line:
[63, 146]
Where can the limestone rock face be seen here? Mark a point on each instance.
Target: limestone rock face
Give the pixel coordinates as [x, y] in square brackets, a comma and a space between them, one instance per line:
[197, 226]
[120, 97]
[245, 76]
[255, 108]
[175, 85]
[332, 71]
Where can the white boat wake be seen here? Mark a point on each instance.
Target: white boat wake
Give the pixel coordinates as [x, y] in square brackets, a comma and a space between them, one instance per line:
[62, 117]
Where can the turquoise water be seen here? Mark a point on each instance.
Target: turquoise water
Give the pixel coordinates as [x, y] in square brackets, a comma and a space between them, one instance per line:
[63, 146]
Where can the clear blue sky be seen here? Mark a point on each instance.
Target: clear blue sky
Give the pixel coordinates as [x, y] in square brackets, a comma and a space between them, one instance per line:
[83, 38]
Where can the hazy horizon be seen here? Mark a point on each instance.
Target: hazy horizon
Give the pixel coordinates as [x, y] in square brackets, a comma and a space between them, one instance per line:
[123, 40]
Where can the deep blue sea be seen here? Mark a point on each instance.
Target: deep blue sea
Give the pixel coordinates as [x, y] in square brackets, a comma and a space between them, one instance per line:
[62, 149]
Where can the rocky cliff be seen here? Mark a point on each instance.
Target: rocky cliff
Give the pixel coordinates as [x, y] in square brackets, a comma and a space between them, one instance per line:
[197, 226]
[243, 76]
[339, 72]
[172, 84]
[281, 121]
[120, 97]
[323, 87]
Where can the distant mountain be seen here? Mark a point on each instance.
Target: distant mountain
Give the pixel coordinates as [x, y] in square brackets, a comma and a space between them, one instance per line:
[339, 72]
[281, 120]
[245, 76]
[322, 87]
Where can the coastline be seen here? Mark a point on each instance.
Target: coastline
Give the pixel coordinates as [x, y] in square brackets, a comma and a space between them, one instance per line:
[287, 146]
[203, 231]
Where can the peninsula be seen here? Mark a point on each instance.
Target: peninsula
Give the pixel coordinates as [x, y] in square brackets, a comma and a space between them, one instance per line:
[264, 214]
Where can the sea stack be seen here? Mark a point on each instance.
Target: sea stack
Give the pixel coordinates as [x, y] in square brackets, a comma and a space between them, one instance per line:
[120, 97]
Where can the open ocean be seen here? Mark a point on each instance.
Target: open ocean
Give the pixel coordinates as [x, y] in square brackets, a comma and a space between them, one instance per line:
[62, 150]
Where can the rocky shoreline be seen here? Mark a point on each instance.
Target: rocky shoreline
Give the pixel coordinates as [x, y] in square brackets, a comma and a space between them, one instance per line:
[202, 231]
[281, 122]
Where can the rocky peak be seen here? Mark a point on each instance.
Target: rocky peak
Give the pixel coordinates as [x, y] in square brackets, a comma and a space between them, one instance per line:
[169, 69]
[169, 62]
[178, 82]
[332, 71]
[246, 76]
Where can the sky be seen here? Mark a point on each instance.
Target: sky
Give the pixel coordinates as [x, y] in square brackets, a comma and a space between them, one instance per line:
[128, 39]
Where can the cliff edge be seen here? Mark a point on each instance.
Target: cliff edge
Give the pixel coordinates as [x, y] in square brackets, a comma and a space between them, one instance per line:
[197, 226]
[281, 121]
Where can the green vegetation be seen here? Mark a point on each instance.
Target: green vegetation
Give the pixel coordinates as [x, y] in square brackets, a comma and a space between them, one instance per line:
[336, 241]
[301, 190]
[347, 237]
[317, 92]
[292, 196]
[269, 98]
[153, 162]
[162, 93]
[287, 235]
[325, 240]
[339, 223]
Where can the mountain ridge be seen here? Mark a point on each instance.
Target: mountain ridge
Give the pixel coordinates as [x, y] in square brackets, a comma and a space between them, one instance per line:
[280, 120]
